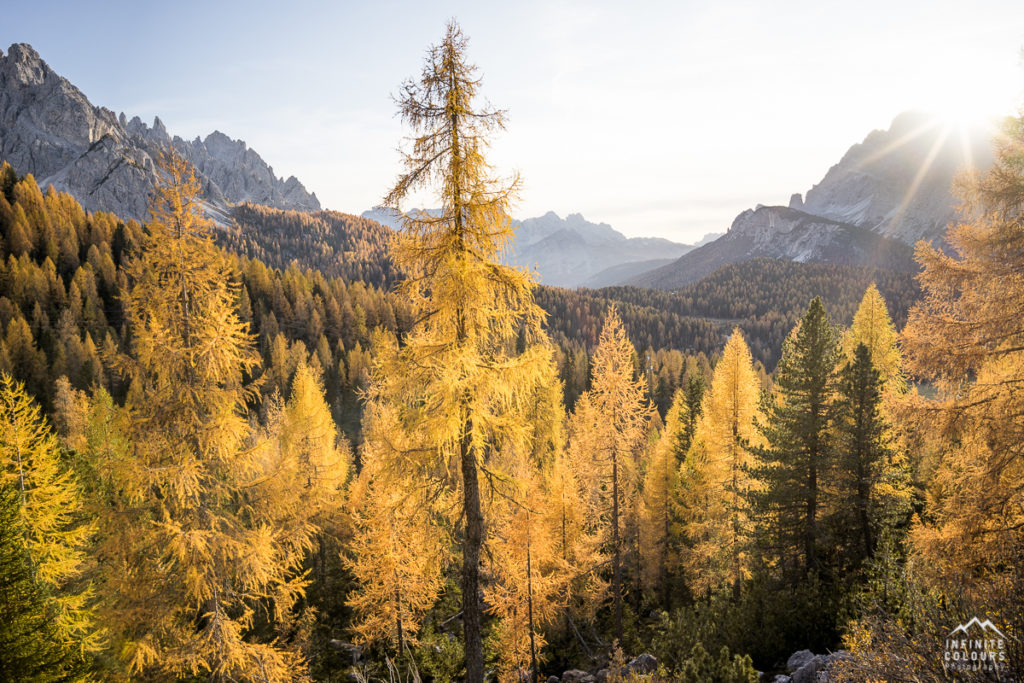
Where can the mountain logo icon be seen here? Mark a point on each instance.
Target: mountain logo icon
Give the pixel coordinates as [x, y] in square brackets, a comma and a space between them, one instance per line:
[986, 627]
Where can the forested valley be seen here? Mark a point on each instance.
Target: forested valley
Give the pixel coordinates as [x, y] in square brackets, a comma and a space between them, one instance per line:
[303, 447]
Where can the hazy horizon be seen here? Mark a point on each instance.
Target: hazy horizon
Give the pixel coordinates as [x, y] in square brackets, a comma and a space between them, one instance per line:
[660, 121]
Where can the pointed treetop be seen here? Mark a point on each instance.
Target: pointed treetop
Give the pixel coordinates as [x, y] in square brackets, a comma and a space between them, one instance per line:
[873, 327]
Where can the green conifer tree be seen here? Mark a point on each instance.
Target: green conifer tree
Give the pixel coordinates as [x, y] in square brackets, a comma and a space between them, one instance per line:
[869, 473]
[800, 448]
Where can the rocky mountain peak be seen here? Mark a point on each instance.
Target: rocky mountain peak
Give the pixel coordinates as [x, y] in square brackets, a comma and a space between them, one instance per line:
[897, 182]
[50, 129]
[24, 65]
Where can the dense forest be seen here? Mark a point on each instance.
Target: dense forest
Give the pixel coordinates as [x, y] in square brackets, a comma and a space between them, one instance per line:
[233, 455]
[763, 297]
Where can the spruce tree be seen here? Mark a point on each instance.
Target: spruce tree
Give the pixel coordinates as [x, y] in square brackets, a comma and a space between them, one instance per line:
[799, 447]
[867, 470]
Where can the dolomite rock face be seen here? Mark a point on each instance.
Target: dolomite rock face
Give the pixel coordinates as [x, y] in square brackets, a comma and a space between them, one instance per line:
[898, 182]
[50, 129]
[782, 233]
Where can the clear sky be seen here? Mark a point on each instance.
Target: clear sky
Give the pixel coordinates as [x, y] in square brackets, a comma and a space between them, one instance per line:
[660, 118]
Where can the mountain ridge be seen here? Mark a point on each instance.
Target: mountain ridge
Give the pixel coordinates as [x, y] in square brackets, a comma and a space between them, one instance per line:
[572, 251]
[886, 192]
[50, 129]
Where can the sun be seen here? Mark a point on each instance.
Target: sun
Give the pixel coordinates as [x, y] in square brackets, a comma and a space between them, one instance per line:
[974, 106]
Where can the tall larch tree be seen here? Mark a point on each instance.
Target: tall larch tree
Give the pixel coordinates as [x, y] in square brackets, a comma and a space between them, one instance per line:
[966, 336]
[610, 426]
[528, 573]
[31, 648]
[799, 448]
[716, 518]
[464, 379]
[203, 553]
[576, 542]
[660, 490]
[49, 517]
[308, 441]
[307, 464]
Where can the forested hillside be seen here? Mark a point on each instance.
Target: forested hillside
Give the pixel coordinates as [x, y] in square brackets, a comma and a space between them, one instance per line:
[338, 245]
[62, 281]
[763, 297]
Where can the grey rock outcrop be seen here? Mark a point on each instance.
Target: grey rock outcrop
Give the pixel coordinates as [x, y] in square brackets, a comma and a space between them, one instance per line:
[782, 233]
[898, 182]
[806, 667]
[49, 128]
[643, 664]
[577, 676]
[798, 660]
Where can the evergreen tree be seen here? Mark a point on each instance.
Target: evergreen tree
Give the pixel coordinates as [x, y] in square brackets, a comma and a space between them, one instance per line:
[693, 396]
[868, 470]
[799, 449]
[458, 376]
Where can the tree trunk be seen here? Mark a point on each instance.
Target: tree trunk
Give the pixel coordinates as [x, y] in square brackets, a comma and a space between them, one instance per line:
[529, 602]
[811, 533]
[616, 558]
[471, 617]
[862, 505]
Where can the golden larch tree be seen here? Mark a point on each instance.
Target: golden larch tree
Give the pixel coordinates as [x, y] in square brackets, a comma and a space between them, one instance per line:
[660, 491]
[458, 378]
[199, 541]
[966, 335]
[873, 327]
[608, 433]
[528, 572]
[49, 512]
[399, 547]
[716, 516]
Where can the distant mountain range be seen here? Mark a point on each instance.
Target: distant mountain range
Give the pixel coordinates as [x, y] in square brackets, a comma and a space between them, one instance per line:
[574, 252]
[50, 129]
[886, 193]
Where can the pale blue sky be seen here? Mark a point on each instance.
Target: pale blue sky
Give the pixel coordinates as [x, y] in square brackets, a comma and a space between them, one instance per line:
[660, 118]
